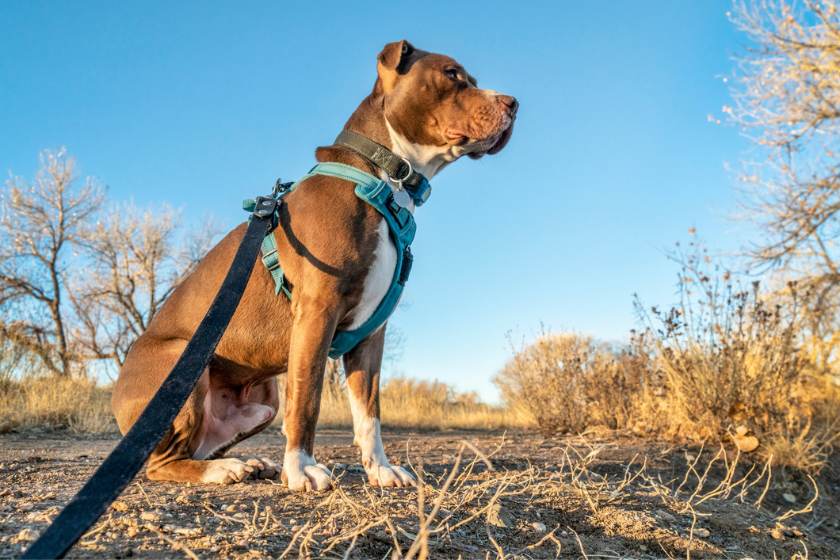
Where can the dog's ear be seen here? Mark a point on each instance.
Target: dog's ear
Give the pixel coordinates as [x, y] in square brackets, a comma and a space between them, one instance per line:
[392, 61]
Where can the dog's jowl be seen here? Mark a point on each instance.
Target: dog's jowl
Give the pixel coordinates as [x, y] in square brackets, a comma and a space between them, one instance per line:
[339, 260]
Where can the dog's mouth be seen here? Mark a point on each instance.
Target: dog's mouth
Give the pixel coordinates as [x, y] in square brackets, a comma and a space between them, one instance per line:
[490, 145]
[503, 139]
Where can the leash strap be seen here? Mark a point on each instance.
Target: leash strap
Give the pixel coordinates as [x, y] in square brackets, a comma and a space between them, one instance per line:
[397, 168]
[120, 467]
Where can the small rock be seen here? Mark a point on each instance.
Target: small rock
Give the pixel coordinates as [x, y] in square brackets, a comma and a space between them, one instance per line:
[132, 532]
[231, 508]
[498, 516]
[777, 534]
[643, 548]
[790, 498]
[28, 535]
[791, 532]
[149, 516]
[746, 443]
[356, 468]
[239, 516]
[119, 506]
[539, 527]
[701, 532]
[665, 516]
[27, 506]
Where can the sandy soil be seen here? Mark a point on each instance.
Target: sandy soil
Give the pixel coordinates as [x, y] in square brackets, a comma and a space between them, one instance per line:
[593, 497]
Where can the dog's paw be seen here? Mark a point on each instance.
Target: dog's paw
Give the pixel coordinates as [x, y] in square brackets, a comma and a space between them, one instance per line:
[302, 472]
[226, 471]
[390, 476]
[263, 467]
[311, 478]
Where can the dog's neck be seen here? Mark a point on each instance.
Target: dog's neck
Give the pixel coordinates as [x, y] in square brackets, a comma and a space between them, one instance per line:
[369, 120]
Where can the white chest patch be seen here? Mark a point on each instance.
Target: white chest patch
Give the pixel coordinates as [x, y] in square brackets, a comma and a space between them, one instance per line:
[379, 277]
[428, 160]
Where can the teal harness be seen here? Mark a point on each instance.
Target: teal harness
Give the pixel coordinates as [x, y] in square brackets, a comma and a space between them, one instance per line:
[378, 194]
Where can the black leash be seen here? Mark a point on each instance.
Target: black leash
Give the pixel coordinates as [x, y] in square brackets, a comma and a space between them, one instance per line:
[119, 468]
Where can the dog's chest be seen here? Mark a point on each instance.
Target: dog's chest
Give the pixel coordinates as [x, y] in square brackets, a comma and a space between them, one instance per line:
[378, 279]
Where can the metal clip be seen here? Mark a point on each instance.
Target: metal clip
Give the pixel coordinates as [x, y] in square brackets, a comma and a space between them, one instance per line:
[280, 188]
[401, 180]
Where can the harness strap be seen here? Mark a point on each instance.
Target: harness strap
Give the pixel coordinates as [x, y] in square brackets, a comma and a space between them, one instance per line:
[378, 194]
[272, 263]
[397, 168]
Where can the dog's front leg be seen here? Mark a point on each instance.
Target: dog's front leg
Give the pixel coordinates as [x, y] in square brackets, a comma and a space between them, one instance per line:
[363, 364]
[312, 333]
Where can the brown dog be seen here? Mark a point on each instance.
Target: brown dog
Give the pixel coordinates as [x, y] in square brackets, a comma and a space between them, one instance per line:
[339, 259]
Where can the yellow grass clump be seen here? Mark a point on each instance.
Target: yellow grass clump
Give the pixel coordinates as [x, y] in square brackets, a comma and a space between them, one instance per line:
[411, 403]
[78, 405]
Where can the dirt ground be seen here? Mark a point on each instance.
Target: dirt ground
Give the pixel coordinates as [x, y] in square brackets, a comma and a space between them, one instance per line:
[571, 497]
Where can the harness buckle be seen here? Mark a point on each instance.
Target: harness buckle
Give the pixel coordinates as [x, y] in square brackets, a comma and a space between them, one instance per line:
[276, 264]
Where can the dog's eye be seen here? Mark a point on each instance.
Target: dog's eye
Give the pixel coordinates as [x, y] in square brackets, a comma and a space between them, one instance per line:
[452, 73]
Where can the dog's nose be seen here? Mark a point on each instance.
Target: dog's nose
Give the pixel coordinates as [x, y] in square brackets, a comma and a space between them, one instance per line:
[511, 103]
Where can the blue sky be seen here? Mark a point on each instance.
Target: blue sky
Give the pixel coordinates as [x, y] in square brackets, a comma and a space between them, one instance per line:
[202, 104]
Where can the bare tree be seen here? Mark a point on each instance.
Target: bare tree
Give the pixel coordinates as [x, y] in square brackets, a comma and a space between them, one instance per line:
[787, 98]
[42, 227]
[137, 258]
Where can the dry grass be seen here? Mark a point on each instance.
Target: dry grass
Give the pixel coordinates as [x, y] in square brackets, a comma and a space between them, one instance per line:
[78, 405]
[82, 406]
[410, 403]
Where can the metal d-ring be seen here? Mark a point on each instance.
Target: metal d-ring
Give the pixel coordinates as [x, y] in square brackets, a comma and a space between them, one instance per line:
[400, 182]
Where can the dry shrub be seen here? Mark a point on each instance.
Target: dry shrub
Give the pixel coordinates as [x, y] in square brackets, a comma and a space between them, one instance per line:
[741, 361]
[567, 382]
[78, 405]
[733, 360]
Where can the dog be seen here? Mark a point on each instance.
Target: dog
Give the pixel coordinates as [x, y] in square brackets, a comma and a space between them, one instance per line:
[339, 260]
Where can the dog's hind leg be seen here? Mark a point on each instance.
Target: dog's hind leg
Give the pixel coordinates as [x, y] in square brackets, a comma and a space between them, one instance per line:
[177, 457]
[222, 416]
[362, 365]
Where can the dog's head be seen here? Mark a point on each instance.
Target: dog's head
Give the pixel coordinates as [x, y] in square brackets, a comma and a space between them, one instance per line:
[431, 102]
